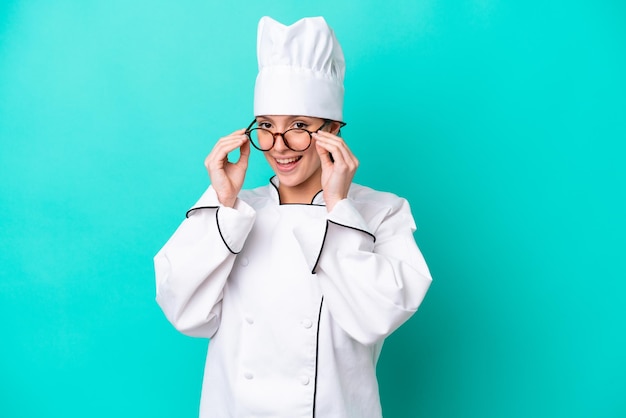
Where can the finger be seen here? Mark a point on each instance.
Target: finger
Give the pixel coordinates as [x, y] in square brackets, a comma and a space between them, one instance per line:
[229, 143]
[342, 156]
[329, 138]
[333, 139]
[244, 153]
[327, 134]
[237, 132]
[340, 143]
[324, 155]
[219, 153]
[240, 134]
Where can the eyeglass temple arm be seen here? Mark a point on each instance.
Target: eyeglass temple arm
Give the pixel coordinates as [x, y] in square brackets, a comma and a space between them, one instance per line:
[329, 121]
[251, 125]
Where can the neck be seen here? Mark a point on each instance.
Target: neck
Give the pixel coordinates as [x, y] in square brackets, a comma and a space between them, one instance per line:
[302, 193]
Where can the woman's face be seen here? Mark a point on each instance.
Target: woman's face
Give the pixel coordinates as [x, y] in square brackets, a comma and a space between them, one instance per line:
[298, 172]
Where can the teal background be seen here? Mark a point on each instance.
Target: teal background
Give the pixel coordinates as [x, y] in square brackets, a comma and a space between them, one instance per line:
[502, 122]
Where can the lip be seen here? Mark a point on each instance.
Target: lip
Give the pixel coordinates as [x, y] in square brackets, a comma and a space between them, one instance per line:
[287, 164]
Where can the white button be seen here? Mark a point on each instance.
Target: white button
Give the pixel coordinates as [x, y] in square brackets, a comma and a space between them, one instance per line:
[248, 375]
[249, 320]
[305, 380]
[244, 261]
[306, 323]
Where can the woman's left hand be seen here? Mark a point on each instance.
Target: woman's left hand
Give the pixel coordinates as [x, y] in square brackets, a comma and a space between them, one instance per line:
[336, 176]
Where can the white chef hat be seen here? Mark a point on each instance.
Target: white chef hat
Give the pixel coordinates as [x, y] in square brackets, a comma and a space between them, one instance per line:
[301, 70]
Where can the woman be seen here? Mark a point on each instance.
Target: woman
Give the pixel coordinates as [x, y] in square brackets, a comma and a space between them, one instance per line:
[296, 283]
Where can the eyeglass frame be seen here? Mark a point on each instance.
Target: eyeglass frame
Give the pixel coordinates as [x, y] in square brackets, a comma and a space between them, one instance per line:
[282, 134]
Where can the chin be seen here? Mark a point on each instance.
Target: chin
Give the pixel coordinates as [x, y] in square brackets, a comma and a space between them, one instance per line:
[288, 181]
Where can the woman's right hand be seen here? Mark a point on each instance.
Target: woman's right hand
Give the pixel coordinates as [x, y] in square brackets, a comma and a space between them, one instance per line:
[226, 177]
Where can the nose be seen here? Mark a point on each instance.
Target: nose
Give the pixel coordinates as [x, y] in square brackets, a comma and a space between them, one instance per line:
[279, 142]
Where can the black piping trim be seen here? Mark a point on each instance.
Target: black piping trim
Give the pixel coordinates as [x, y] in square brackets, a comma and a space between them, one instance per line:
[317, 349]
[304, 204]
[316, 196]
[356, 229]
[216, 221]
[328, 221]
[321, 249]
[220, 231]
[198, 208]
[277, 192]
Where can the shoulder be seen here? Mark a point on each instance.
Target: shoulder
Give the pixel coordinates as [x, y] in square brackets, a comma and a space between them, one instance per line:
[363, 195]
[256, 198]
[377, 206]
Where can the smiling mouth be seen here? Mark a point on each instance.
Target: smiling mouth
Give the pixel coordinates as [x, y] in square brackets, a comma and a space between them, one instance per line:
[288, 161]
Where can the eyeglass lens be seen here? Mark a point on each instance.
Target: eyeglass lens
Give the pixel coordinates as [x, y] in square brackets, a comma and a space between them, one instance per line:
[295, 139]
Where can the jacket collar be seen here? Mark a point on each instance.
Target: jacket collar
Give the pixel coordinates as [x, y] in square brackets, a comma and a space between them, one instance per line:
[318, 199]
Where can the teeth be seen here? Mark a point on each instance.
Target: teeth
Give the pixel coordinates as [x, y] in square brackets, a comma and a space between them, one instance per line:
[287, 160]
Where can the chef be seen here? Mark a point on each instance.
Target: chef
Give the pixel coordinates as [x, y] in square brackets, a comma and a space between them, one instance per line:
[296, 283]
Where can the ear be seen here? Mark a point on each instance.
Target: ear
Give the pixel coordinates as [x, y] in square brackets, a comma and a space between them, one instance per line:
[334, 127]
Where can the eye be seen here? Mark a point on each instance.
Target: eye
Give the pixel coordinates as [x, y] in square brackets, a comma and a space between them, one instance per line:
[300, 125]
[264, 125]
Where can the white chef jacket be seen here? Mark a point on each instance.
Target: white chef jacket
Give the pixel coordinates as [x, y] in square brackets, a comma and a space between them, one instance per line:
[296, 301]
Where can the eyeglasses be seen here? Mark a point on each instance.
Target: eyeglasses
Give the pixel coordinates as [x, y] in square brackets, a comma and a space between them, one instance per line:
[296, 139]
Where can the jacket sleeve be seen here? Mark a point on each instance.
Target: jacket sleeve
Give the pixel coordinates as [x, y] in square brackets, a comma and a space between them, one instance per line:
[192, 267]
[372, 274]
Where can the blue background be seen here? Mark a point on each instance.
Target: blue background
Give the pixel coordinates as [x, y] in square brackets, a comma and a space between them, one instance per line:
[503, 123]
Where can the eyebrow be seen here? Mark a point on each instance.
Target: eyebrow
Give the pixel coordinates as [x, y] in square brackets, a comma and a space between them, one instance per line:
[291, 118]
